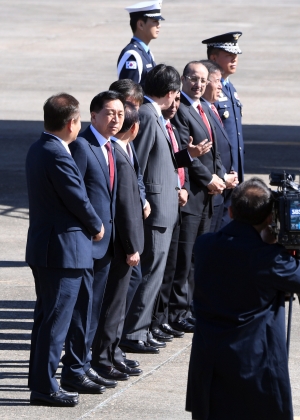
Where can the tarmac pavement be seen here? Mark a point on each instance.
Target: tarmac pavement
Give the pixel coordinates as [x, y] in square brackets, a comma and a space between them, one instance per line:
[73, 46]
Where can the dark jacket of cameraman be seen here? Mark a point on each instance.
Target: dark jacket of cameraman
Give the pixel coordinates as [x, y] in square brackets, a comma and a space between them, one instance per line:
[239, 366]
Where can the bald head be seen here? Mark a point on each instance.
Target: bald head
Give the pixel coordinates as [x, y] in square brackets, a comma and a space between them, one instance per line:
[194, 79]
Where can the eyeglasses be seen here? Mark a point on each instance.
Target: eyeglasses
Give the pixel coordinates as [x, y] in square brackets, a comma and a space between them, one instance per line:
[195, 79]
[214, 82]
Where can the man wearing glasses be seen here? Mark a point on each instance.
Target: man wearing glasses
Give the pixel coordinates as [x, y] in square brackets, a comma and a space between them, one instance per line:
[205, 175]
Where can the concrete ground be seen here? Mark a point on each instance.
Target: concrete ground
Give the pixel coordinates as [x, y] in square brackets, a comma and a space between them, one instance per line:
[72, 46]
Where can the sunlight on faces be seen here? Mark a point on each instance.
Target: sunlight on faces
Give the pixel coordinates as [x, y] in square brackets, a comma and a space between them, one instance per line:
[228, 61]
[214, 87]
[75, 126]
[150, 29]
[195, 90]
[108, 122]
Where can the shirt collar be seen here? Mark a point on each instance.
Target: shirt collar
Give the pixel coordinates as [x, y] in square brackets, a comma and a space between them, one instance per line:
[66, 146]
[145, 46]
[191, 101]
[101, 140]
[225, 81]
[208, 103]
[155, 105]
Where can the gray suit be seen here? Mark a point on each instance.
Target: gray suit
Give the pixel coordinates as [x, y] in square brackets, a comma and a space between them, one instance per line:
[159, 168]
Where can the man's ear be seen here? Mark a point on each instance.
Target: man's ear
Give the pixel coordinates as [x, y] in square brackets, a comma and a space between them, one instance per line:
[230, 212]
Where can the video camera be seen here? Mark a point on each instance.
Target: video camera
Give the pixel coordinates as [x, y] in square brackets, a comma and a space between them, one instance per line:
[286, 210]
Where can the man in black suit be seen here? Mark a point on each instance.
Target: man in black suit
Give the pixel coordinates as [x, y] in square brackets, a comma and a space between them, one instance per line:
[94, 156]
[211, 94]
[62, 222]
[205, 176]
[129, 243]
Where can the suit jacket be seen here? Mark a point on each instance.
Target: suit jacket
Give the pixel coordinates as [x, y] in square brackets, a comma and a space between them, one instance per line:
[239, 365]
[230, 110]
[139, 175]
[140, 62]
[61, 217]
[91, 162]
[129, 210]
[189, 123]
[159, 167]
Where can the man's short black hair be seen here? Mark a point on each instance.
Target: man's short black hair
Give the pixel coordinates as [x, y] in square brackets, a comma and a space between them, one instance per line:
[213, 51]
[252, 201]
[161, 80]
[99, 100]
[59, 110]
[211, 66]
[134, 18]
[128, 87]
[131, 117]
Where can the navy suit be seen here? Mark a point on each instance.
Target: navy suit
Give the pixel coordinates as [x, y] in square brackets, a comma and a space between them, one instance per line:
[230, 110]
[222, 201]
[239, 365]
[91, 162]
[143, 62]
[59, 251]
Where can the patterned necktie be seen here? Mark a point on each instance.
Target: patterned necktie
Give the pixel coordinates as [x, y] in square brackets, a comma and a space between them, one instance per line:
[205, 120]
[129, 152]
[175, 150]
[111, 165]
[214, 109]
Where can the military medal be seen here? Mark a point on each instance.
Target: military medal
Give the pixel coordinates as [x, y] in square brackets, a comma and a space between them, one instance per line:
[226, 114]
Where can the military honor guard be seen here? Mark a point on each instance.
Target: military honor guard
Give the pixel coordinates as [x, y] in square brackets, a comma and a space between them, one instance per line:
[224, 50]
[136, 59]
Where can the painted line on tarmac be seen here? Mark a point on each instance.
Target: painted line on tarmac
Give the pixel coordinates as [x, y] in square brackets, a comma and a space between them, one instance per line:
[117, 394]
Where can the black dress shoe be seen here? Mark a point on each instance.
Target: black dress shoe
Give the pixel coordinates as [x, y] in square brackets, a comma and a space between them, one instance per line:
[137, 346]
[93, 376]
[131, 363]
[161, 335]
[130, 371]
[155, 343]
[191, 320]
[56, 399]
[183, 325]
[82, 384]
[169, 330]
[110, 372]
[70, 394]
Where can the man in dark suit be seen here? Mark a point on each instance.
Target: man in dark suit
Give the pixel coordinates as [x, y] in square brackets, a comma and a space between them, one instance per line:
[159, 167]
[224, 50]
[59, 248]
[136, 59]
[239, 365]
[205, 176]
[211, 94]
[94, 156]
[107, 358]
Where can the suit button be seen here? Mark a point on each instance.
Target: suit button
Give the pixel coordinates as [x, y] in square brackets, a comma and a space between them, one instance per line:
[239, 134]
[110, 221]
[176, 170]
[177, 188]
[240, 148]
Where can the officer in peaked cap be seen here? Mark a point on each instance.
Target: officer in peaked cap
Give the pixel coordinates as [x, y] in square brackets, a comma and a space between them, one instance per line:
[136, 58]
[224, 50]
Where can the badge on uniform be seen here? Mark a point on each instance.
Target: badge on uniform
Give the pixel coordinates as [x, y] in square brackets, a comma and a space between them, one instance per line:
[223, 99]
[226, 114]
[149, 66]
[131, 65]
[236, 96]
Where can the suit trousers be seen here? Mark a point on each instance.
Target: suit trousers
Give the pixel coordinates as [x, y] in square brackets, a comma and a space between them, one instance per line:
[216, 220]
[161, 309]
[57, 290]
[153, 263]
[183, 285]
[112, 316]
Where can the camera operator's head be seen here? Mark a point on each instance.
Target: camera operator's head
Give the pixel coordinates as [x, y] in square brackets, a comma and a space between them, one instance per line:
[252, 202]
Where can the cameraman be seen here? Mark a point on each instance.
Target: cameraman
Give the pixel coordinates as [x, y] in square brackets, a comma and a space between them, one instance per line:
[239, 365]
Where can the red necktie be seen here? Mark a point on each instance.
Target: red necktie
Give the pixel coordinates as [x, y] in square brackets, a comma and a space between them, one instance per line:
[205, 120]
[111, 165]
[175, 150]
[216, 112]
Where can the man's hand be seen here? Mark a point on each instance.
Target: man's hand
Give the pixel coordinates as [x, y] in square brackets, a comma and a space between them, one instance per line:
[147, 209]
[268, 236]
[183, 197]
[216, 186]
[133, 259]
[231, 180]
[199, 149]
[99, 235]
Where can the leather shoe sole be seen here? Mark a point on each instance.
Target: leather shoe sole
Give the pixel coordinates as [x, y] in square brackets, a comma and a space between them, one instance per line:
[133, 346]
[82, 384]
[57, 399]
[93, 376]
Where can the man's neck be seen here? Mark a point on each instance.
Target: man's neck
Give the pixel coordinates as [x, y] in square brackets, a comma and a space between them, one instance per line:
[124, 138]
[142, 37]
[61, 135]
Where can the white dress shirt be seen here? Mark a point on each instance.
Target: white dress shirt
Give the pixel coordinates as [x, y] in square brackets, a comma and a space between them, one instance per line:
[66, 146]
[102, 141]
